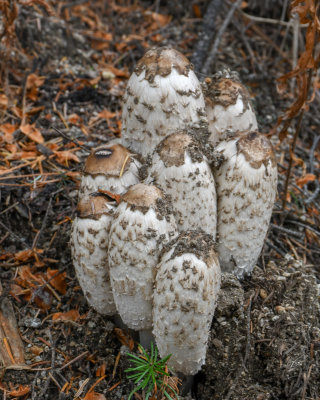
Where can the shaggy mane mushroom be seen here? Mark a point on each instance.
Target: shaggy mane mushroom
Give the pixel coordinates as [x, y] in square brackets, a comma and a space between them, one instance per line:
[181, 170]
[89, 247]
[186, 290]
[246, 188]
[228, 106]
[143, 223]
[163, 95]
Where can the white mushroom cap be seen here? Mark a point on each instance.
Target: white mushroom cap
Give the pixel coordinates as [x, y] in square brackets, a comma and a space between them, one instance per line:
[143, 223]
[181, 170]
[89, 245]
[228, 106]
[163, 94]
[246, 188]
[109, 167]
[186, 289]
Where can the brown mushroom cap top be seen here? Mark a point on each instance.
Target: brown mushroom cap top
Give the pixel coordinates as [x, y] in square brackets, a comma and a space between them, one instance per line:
[160, 61]
[172, 149]
[93, 206]
[142, 195]
[195, 242]
[256, 148]
[225, 91]
[108, 160]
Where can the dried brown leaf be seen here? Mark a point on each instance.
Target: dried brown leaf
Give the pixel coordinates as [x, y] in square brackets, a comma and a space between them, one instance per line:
[305, 179]
[161, 19]
[124, 338]
[307, 12]
[106, 114]
[94, 396]
[121, 73]
[8, 130]
[74, 119]
[21, 391]
[32, 132]
[36, 350]
[3, 101]
[57, 280]
[64, 156]
[72, 315]
[35, 81]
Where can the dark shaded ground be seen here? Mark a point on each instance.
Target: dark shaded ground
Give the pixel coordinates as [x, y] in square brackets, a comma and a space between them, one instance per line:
[265, 337]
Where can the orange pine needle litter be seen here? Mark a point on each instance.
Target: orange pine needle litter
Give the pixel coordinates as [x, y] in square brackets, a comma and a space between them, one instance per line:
[96, 383]
[7, 346]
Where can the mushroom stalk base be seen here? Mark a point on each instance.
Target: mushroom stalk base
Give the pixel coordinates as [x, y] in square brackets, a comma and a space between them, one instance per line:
[146, 338]
[187, 382]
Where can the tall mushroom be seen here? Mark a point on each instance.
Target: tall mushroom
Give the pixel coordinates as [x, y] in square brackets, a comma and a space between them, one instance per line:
[143, 223]
[163, 94]
[89, 246]
[109, 167]
[246, 187]
[228, 106]
[180, 169]
[186, 288]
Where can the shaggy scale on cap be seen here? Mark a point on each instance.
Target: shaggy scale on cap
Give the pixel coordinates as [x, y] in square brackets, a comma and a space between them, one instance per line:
[109, 167]
[163, 95]
[246, 188]
[228, 106]
[89, 246]
[143, 223]
[186, 290]
[180, 169]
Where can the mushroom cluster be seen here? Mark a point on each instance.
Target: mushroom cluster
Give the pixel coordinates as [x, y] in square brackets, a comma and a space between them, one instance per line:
[195, 183]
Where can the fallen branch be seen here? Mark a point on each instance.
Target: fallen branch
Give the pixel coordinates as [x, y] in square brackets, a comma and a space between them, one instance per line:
[207, 34]
[206, 68]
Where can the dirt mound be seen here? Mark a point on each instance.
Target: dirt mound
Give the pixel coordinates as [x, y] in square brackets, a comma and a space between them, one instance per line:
[265, 338]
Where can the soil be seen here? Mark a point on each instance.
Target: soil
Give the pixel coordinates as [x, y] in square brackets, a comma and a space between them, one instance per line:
[265, 337]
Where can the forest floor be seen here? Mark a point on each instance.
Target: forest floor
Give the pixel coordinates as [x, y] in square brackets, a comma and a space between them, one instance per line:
[64, 69]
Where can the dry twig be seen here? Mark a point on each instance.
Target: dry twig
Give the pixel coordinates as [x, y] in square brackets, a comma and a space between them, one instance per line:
[213, 51]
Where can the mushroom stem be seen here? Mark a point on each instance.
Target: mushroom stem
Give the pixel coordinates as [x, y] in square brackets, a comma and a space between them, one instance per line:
[146, 338]
[187, 382]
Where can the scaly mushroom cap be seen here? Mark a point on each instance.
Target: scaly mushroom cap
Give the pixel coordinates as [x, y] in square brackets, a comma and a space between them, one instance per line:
[142, 196]
[109, 167]
[163, 95]
[228, 106]
[246, 188]
[181, 170]
[186, 288]
[89, 246]
[143, 223]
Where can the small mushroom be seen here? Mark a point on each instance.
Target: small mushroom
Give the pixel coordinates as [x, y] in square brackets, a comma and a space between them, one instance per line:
[109, 167]
[180, 169]
[143, 223]
[246, 188]
[186, 289]
[163, 95]
[228, 106]
[89, 246]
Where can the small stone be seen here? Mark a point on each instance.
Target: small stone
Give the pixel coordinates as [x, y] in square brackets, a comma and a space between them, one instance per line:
[107, 74]
[30, 322]
[280, 309]
[263, 294]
